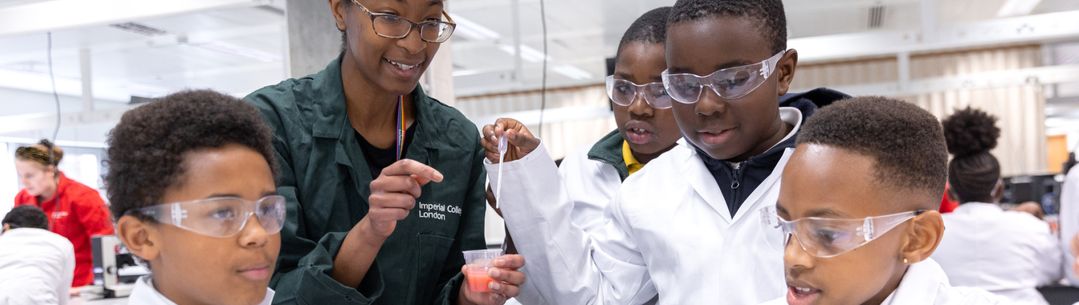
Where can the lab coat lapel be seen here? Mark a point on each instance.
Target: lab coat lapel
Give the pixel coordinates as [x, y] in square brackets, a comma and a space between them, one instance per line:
[350, 154]
[753, 202]
[704, 185]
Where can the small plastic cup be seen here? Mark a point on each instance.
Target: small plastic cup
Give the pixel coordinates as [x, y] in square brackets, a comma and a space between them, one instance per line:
[477, 262]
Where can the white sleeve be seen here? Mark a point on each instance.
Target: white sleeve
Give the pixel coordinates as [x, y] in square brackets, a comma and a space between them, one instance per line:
[63, 288]
[1052, 259]
[563, 265]
[1069, 220]
[590, 185]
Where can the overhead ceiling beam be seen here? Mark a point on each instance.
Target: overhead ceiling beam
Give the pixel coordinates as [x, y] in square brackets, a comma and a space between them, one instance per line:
[171, 39]
[1008, 31]
[64, 14]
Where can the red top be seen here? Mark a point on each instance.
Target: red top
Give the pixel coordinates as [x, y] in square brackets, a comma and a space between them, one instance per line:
[76, 212]
[947, 205]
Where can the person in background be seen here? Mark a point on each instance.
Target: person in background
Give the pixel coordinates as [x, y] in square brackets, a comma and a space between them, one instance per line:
[948, 202]
[75, 211]
[1008, 253]
[36, 266]
[191, 179]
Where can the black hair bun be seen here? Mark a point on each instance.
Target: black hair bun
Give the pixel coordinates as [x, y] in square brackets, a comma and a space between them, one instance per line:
[970, 131]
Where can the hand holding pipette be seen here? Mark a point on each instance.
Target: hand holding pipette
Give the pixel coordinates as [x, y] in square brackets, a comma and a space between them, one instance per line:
[506, 140]
[519, 140]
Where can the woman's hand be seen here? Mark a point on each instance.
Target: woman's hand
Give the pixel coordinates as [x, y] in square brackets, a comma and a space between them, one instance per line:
[394, 193]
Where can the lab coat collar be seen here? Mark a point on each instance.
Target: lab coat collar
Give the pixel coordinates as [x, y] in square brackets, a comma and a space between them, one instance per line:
[609, 151]
[978, 208]
[700, 178]
[810, 101]
[144, 293]
[26, 232]
[329, 106]
[793, 116]
[923, 283]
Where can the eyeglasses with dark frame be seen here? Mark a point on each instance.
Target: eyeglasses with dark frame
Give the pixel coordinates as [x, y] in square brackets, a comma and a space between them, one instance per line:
[396, 27]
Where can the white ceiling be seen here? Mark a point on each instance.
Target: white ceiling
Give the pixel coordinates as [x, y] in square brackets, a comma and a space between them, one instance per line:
[233, 50]
[238, 49]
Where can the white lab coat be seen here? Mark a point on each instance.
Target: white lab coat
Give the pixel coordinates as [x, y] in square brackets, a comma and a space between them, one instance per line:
[1069, 220]
[591, 185]
[668, 231]
[1005, 252]
[926, 284]
[36, 267]
[144, 293]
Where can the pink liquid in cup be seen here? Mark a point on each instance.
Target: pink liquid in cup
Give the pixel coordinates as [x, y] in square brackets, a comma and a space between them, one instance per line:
[478, 279]
[477, 262]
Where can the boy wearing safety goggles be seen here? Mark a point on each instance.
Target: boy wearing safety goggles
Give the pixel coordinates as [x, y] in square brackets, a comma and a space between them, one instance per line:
[686, 227]
[642, 111]
[858, 208]
[191, 179]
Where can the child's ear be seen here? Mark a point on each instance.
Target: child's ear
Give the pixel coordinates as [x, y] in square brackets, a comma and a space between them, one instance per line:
[785, 70]
[140, 238]
[923, 237]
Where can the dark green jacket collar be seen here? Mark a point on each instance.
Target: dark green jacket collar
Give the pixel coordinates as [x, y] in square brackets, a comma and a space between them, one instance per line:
[609, 150]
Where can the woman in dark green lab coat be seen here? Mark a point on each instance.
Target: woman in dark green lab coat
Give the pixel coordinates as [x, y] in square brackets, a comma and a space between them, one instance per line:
[367, 225]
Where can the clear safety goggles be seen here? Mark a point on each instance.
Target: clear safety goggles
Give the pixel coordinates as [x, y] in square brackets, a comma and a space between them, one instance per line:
[830, 237]
[623, 93]
[219, 217]
[730, 83]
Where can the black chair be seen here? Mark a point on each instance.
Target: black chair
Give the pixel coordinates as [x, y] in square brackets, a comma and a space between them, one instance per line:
[1060, 295]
